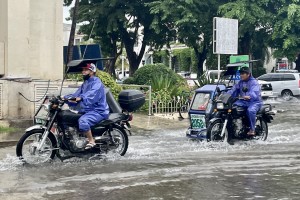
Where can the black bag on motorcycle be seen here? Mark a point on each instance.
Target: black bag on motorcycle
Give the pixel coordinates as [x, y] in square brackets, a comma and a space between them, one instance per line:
[131, 100]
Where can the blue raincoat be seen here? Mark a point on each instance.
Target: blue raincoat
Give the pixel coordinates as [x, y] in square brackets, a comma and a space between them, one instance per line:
[93, 103]
[254, 104]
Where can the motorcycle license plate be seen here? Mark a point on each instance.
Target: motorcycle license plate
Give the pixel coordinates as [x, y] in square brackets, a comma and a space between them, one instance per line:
[198, 121]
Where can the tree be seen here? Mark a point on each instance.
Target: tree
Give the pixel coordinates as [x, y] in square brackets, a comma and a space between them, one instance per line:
[254, 25]
[193, 22]
[73, 28]
[124, 22]
[286, 31]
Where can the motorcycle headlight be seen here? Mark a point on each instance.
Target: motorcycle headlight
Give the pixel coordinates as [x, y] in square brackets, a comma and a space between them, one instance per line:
[220, 106]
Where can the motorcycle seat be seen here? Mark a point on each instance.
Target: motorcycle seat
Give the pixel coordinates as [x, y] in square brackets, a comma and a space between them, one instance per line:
[113, 118]
[71, 118]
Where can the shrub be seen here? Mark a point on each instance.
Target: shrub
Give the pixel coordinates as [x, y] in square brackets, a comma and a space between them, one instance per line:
[109, 82]
[129, 80]
[106, 79]
[144, 75]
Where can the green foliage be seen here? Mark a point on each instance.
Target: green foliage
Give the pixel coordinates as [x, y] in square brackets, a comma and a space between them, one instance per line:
[286, 31]
[109, 82]
[193, 21]
[161, 56]
[204, 80]
[106, 79]
[163, 84]
[145, 74]
[122, 22]
[7, 129]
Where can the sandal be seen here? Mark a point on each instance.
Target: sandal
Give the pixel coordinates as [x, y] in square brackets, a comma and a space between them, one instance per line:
[90, 146]
[251, 133]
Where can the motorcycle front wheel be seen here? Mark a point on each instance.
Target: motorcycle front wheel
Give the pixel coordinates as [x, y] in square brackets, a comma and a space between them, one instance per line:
[27, 147]
[214, 131]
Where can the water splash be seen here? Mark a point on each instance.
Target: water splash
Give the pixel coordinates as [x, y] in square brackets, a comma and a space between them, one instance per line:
[10, 163]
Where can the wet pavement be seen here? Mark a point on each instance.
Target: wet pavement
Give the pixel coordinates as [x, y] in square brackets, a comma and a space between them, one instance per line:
[161, 163]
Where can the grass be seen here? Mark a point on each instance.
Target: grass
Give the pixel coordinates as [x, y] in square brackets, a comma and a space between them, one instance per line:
[7, 129]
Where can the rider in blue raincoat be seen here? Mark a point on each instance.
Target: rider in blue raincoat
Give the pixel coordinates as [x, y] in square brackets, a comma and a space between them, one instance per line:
[248, 89]
[93, 105]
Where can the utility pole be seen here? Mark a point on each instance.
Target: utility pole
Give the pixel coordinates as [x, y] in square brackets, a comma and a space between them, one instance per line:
[72, 32]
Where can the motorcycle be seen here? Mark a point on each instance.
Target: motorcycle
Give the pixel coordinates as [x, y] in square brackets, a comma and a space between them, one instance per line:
[231, 122]
[59, 131]
[56, 130]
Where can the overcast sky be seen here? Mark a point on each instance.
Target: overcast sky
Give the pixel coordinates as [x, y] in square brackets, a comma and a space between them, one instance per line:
[66, 14]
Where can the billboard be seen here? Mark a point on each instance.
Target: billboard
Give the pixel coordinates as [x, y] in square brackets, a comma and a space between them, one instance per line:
[225, 36]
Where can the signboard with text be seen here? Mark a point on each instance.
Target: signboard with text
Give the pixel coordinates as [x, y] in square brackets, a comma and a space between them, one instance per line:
[225, 36]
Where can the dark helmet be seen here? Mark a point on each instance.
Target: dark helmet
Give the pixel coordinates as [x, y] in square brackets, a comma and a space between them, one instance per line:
[245, 70]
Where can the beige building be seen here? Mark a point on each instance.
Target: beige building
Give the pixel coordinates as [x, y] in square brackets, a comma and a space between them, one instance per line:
[31, 41]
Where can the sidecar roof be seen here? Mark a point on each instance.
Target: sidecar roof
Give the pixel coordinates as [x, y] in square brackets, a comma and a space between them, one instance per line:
[210, 88]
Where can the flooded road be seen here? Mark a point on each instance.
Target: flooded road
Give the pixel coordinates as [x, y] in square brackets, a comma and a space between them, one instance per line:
[164, 164]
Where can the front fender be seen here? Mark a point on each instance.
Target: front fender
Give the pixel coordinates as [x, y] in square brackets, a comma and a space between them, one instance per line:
[213, 120]
[39, 127]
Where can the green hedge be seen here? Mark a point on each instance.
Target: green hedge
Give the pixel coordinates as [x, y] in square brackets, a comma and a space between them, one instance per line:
[109, 82]
[184, 58]
[106, 79]
[146, 74]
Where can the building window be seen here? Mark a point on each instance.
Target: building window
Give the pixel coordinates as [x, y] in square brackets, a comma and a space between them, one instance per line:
[77, 41]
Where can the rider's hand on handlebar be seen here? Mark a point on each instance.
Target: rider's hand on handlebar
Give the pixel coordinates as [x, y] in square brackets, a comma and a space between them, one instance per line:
[74, 100]
[247, 97]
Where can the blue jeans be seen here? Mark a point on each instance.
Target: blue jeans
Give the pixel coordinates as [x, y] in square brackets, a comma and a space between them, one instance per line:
[252, 109]
[90, 119]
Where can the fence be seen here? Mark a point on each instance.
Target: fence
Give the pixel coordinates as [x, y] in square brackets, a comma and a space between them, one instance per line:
[160, 104]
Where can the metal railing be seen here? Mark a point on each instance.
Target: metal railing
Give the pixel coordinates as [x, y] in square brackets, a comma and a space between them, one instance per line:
[159, 104]
[165, 105]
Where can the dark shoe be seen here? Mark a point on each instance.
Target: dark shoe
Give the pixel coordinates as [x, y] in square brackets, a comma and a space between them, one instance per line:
[230, 142]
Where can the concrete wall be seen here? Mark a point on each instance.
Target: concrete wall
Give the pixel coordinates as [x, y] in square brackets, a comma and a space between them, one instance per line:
[31, 46]
[31, 32]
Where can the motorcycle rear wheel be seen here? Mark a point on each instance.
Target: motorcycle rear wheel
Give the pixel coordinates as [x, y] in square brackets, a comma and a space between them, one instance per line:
[261, 129]
[27, 145]
[214, 131]
[121, 140]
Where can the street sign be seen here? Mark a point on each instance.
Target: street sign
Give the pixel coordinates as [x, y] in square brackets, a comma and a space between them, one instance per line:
[241, 58]
[225, 36]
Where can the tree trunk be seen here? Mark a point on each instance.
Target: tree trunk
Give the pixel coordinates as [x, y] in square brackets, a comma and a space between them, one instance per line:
[133, 58]
[245, 44]
[201, 57]
[111, 66]
[129, 41]
[72, 32]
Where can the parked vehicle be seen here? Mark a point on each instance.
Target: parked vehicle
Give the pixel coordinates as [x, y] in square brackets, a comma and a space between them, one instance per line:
[285, 85]
[56, 130]
[231, 122]
[266, 89]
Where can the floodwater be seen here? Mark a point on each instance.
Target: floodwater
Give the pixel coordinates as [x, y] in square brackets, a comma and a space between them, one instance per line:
[164, 164]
